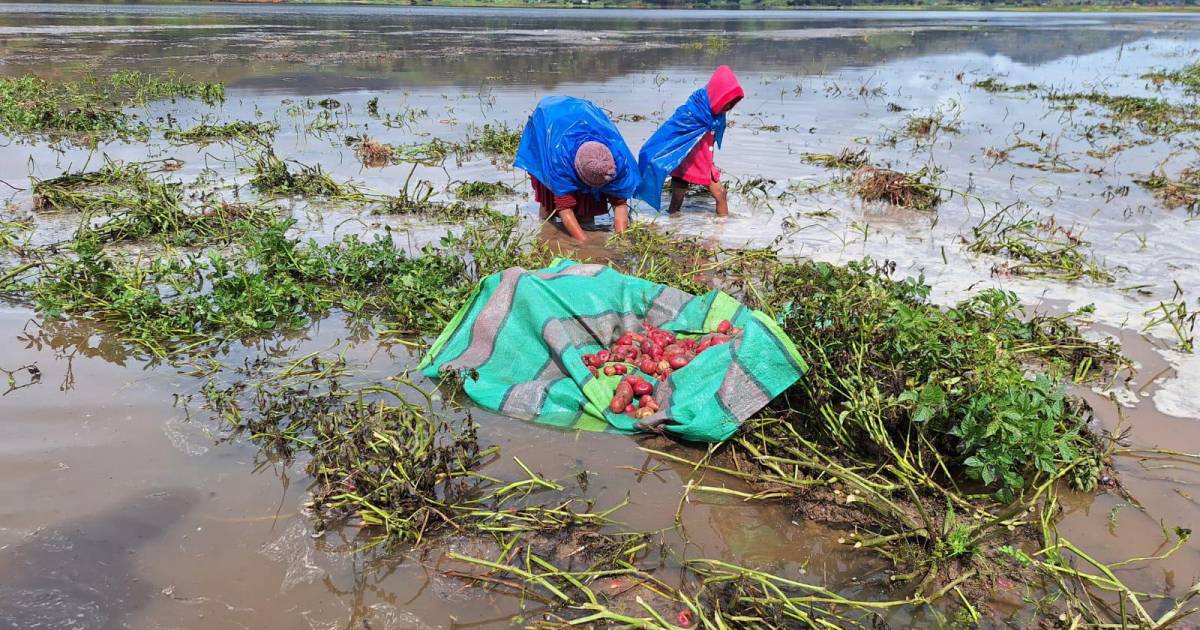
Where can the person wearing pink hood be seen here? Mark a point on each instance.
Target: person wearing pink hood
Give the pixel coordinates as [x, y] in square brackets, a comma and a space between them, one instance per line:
[684, 145]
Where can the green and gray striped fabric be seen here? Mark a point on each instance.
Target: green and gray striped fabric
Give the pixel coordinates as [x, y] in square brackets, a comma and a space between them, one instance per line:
[518, 345]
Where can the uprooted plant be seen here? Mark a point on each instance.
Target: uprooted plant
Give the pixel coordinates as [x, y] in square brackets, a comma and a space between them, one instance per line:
[1182, 191]
[918, 191]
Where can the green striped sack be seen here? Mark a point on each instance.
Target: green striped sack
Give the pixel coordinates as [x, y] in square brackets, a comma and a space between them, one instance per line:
[518, 345]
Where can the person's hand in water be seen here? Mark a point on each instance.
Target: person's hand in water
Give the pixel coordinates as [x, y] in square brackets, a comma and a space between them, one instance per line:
[621, 217]
[571, 224]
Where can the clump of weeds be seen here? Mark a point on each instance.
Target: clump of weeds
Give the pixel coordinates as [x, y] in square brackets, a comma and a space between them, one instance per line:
[273, 282]
[273, 177]
[237, 131]
[926, 128]
[846, 159]
[385, 453]
[496, 140]
[1187, 77]
[917, 191]
[372, 153]
[1037, 247]
[1154, 116]
[993, 85]
[1183, 191]
[483, 191]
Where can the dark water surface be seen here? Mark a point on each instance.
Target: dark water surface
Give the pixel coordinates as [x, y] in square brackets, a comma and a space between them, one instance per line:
[120, 508]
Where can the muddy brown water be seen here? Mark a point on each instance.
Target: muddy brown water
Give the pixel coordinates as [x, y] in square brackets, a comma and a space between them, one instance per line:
[123, 506]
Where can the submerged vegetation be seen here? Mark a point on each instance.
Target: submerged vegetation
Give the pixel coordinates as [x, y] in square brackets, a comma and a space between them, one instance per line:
[91, 109]
[238, 130]
[126, 202]
[1187, 77]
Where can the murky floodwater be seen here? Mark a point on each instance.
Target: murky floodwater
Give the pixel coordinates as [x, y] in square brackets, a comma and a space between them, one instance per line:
[118, 510]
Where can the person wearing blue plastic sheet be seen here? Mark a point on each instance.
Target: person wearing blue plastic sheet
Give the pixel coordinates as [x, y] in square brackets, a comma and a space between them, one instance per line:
[578, 163]
[684, 145]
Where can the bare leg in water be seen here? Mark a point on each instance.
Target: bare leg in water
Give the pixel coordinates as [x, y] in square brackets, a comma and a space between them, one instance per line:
[718, 192]
[679, 189]
[716, 189]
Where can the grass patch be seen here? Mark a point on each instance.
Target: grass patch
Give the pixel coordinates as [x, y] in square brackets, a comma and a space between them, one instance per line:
[1038, 247]
[273, 282]
[91, 109]
[1153, 116]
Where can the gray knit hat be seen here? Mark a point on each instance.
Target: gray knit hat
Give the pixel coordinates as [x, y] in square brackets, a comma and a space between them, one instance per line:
[594, 164]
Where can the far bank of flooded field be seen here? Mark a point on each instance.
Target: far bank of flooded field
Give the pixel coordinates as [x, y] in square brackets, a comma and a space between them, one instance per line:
[230, 233]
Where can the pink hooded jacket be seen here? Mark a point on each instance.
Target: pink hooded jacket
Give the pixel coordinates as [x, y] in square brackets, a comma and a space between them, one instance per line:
[724, 92]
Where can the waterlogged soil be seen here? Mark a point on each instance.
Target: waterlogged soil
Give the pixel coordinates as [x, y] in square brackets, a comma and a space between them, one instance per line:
[123, 504]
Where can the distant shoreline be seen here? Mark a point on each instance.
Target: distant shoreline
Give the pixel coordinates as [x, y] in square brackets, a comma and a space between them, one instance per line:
[601, 4]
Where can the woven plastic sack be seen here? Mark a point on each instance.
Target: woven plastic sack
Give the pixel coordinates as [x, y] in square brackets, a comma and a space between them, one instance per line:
[518, 345]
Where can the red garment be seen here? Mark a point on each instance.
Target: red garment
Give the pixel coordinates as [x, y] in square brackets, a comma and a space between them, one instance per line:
[584, 204]
[698, 167]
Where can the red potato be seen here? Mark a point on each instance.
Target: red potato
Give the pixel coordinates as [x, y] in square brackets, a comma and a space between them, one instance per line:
[665, 375]
[593, 370]
[621, 398]
[625, 340]
[645, 400]
[719, 339]
[610, 370]
[603, 356]
[642, 388]
[677, 361]
[630, 408]
[647, 365]
[620, 368]
[725, 326]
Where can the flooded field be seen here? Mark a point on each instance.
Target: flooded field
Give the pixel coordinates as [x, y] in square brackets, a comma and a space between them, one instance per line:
[1058, 158]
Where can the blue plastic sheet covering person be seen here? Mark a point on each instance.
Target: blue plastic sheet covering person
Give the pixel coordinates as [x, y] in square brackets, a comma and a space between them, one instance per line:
[668, 147]
[558, 125]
